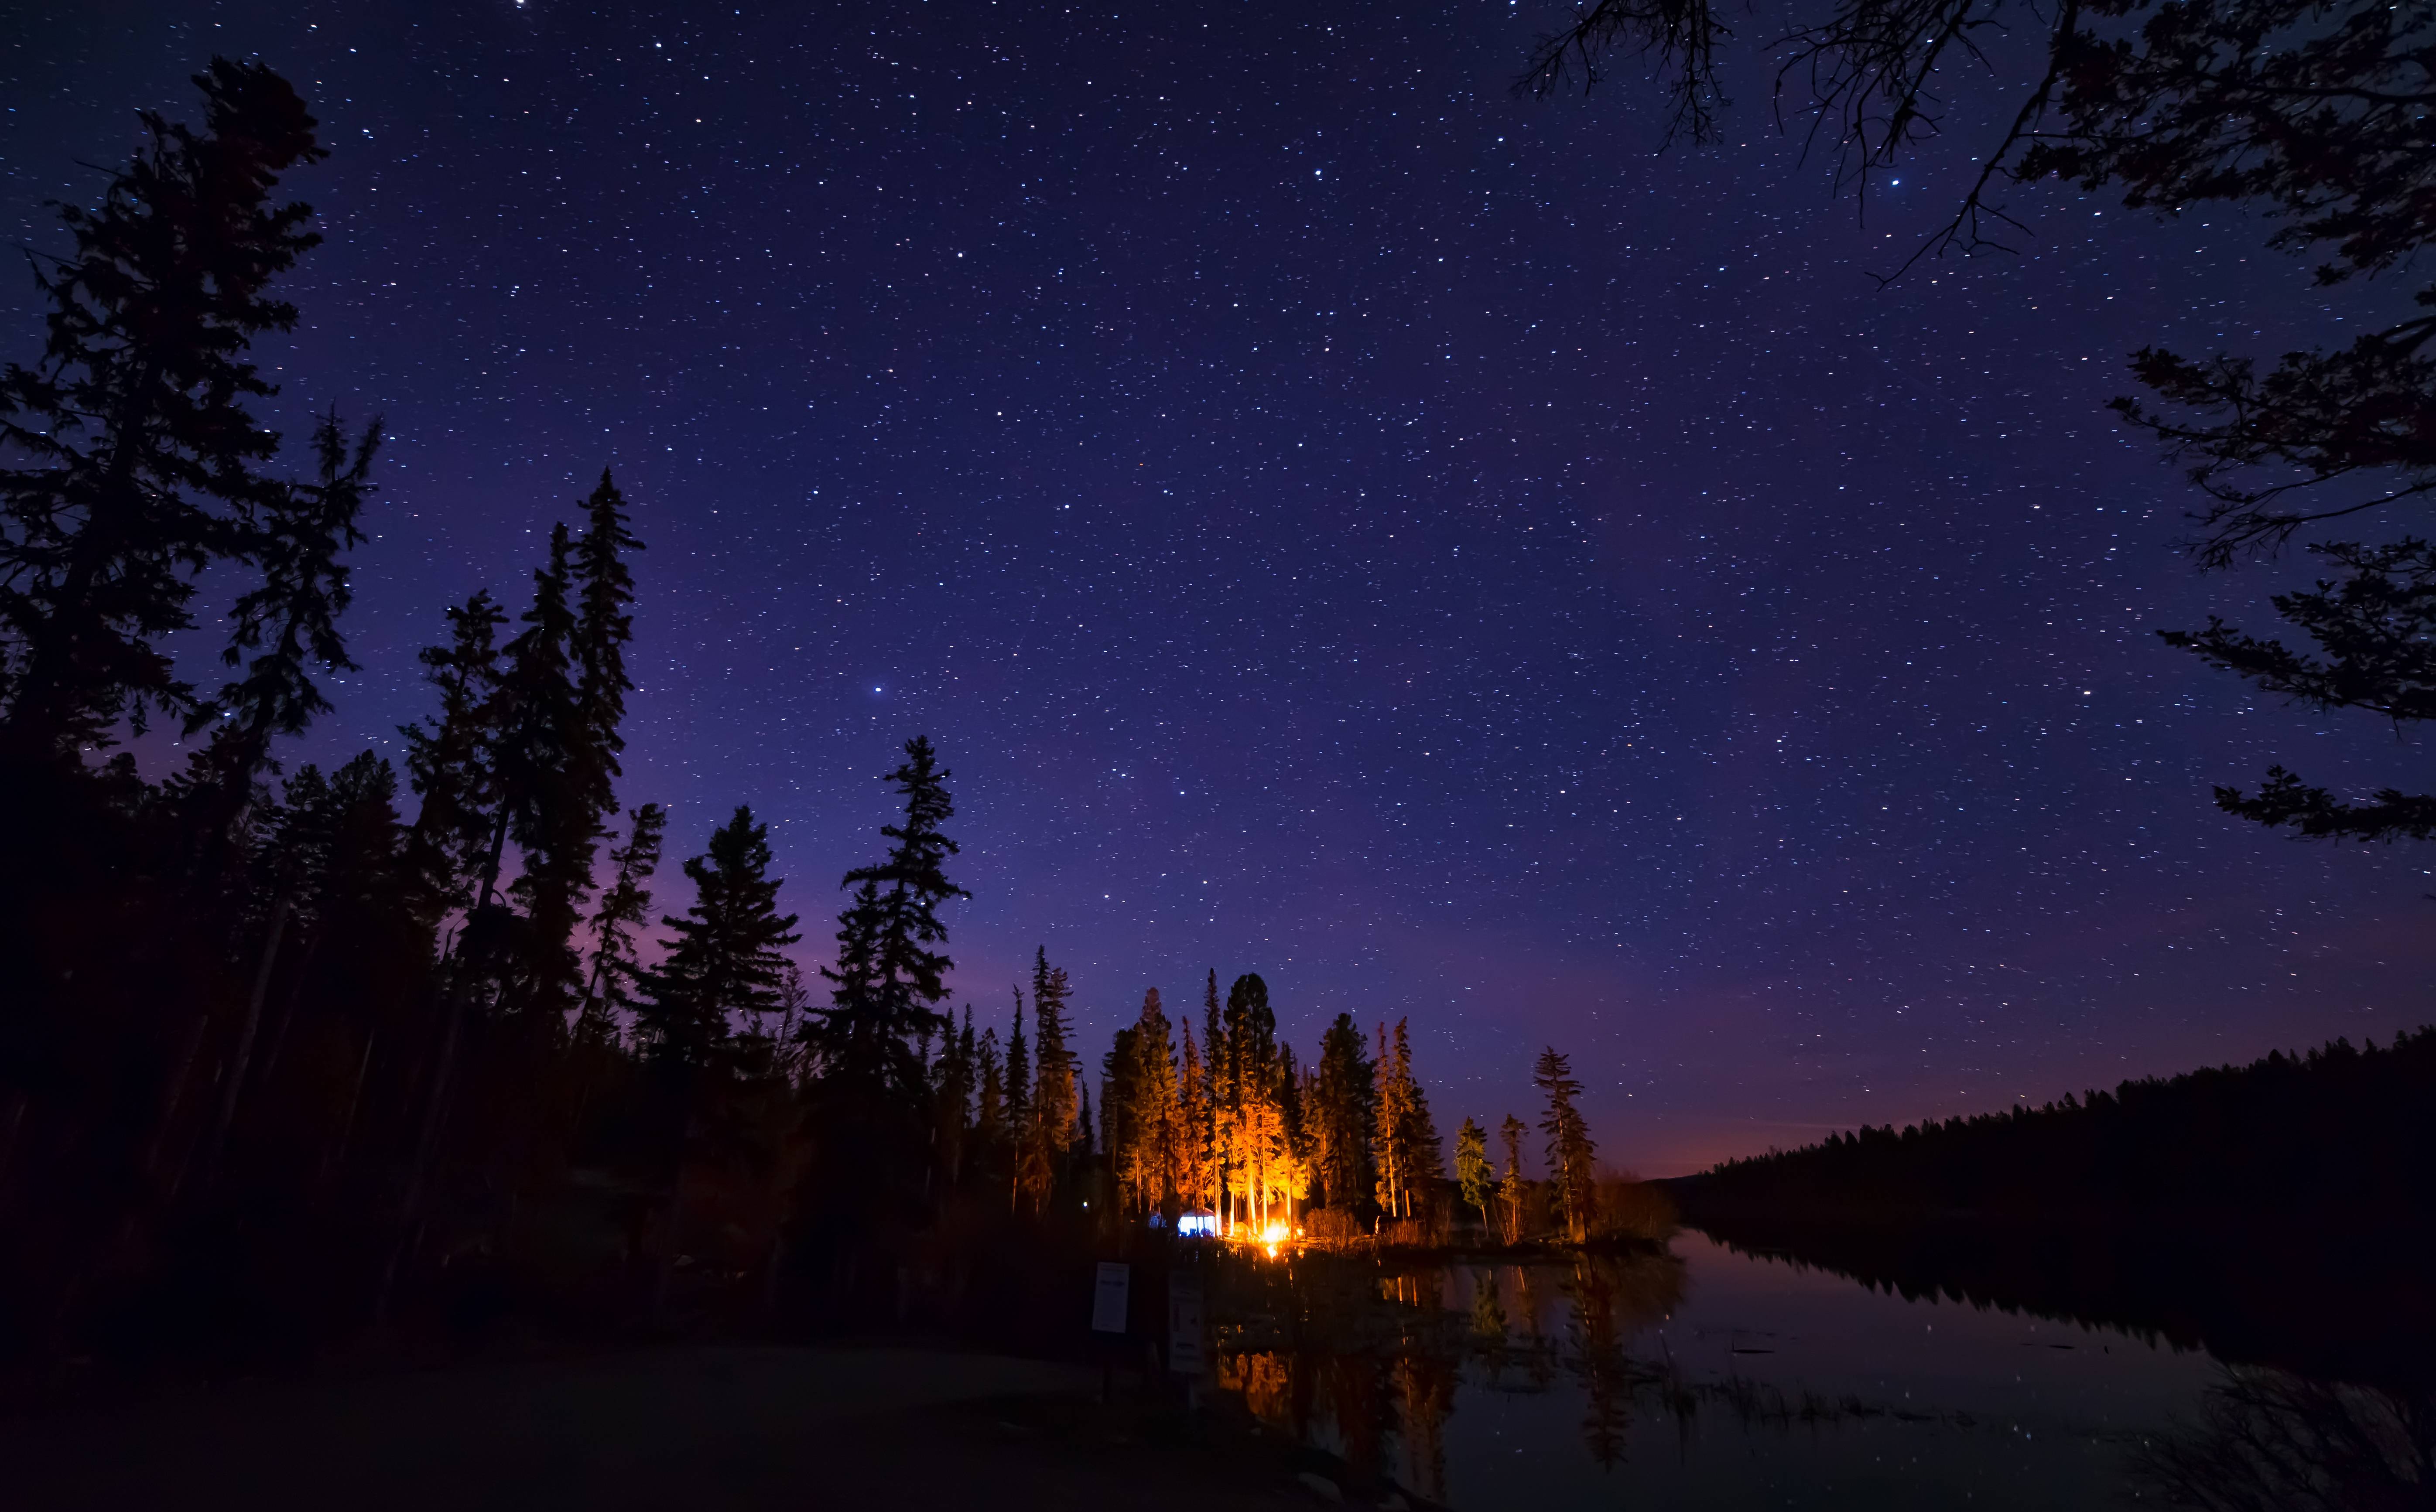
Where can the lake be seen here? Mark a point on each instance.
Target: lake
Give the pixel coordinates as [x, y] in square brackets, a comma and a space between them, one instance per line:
[1706, 1376]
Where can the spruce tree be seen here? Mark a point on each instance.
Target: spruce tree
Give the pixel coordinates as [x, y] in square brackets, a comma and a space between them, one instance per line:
[282, 627]
[1054, 1088]
[1155, 1174]
[725, 956]
[1196, 1180]
[449, 758]
[1472, 1168]
[625, 903]
[545, 805]
[1395, 1124]
[143, 465]
[888, 974]
[1514, 1131]
[1246, 1106]
[1121, 1129]
[604, 623]
[1570, 1151]
[1510, 1186]
[1344, 1115]
[1019, 1077]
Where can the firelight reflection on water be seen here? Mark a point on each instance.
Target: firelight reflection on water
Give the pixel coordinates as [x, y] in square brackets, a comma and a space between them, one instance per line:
[1702, 1377]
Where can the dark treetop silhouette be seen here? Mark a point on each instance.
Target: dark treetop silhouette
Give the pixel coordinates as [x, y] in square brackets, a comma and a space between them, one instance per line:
[2322, 118]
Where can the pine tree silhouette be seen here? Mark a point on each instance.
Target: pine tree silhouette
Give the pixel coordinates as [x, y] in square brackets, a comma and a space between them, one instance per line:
[725, 956]
[1345, 1111]
[888, 976]
[449, 758]
[604, 593]
[544, 800]
[279, 628]
[625, 904]
[146, 467]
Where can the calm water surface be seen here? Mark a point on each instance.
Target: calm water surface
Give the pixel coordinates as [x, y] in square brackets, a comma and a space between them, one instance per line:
[1710, 1377]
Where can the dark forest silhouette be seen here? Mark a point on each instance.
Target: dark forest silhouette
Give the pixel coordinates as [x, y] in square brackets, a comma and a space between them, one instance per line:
[2278, 1212]
[286, 1054]
[2338, 1130]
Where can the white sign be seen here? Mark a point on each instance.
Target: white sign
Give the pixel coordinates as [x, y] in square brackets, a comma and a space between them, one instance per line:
[1184, 1324]
[1108, 1301]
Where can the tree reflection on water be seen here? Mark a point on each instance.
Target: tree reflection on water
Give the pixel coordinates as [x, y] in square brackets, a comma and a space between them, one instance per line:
[1365, 1360]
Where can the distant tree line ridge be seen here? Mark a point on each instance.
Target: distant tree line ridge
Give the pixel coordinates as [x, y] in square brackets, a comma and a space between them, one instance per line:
[286, 1053]
[2339, 1129]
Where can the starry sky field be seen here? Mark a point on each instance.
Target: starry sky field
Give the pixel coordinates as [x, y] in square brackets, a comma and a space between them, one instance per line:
[1338, 519]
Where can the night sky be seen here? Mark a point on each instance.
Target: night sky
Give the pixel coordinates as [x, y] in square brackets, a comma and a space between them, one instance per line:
[1337, 520]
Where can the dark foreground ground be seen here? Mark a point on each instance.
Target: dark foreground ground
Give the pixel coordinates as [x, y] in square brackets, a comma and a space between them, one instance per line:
[704, 1429]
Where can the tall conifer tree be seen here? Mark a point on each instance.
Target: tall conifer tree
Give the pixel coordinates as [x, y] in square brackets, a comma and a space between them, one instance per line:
[449, 758]
[1196, 1179]
[625, 903]
[1472, 1168]
[282, 628]
[889, 975]
[1018, 1074]
[1570, 1151]
[726, 957]
[604, 623]
[1408, 1150]
[145, 465]
[545, 806]
[1343, 1116]
[1510, 1186]
[1055, 1098]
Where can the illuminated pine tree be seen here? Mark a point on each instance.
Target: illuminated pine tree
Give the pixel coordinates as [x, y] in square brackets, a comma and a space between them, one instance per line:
[1424, 1152]
[1472, 1168]
[1215, 1077]
[1570, 1151]
[1395, 1119]
[1510, 1188]
[1245, 1100]
[1167, 1128]
[1196, 1178]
